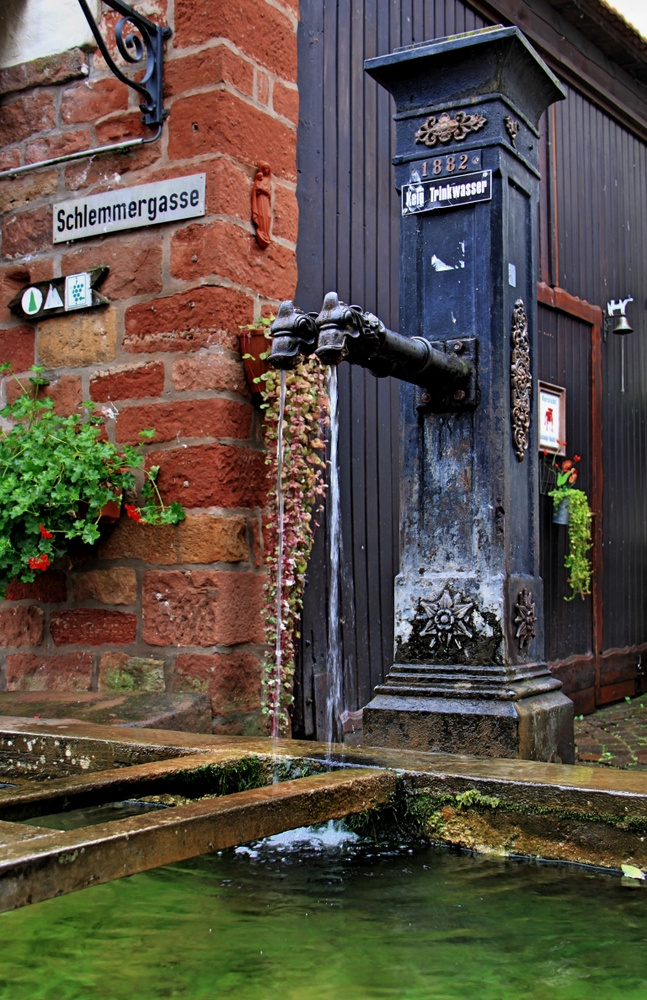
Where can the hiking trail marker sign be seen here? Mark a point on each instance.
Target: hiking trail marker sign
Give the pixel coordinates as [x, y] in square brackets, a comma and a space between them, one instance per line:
[60, 295]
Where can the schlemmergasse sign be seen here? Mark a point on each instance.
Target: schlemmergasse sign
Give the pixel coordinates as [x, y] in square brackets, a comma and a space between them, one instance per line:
[130, 208]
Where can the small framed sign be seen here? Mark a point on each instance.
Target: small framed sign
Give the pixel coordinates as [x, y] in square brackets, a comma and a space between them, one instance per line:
[552, 418]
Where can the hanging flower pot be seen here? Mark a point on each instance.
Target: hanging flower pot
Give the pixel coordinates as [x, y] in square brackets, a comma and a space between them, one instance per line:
[253, 343]
[561, 513]
[111, 511]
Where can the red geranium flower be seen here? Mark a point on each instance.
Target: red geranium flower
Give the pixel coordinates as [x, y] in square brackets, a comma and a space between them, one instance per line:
[576, 458]
[133, 513]
[45, 533]
[40, 562]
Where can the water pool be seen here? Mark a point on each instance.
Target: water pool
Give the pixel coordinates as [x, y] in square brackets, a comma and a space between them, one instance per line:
[334, 919]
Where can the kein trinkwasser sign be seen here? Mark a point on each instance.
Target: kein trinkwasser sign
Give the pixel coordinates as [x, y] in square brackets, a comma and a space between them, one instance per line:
[424, 196]
[130, 208]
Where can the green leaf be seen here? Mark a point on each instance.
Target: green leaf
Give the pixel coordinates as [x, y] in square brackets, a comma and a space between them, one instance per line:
[630, 871]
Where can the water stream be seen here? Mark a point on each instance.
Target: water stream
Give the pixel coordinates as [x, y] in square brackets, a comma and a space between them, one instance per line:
[334, 704]
[278, 652]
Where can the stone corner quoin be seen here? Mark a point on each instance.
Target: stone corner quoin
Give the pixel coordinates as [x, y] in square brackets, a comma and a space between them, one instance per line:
[164, 352]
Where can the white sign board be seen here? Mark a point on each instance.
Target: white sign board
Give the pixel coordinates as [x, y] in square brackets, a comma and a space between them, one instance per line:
[552, 419]
[130, 208]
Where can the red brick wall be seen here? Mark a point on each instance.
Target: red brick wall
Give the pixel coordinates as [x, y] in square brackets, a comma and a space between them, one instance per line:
[181, 603]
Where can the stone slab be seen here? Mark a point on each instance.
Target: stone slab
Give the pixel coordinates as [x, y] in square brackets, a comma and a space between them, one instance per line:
[187, 713]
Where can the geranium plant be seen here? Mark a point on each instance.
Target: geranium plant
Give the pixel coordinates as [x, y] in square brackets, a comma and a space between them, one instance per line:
[305, 417]
[577, 561]
[56, 475]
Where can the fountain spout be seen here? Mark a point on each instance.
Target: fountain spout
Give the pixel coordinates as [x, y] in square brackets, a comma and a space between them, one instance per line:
[349, 333]
[294, 334]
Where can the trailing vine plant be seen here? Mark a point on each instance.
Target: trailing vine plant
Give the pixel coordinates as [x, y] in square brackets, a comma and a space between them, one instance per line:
[56, 475]
[305, 418]
[577, 561]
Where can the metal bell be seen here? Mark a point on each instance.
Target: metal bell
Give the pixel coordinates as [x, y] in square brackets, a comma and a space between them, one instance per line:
[622, 326]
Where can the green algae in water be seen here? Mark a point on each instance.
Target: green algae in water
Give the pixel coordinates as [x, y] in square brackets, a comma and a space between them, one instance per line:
[291, 922]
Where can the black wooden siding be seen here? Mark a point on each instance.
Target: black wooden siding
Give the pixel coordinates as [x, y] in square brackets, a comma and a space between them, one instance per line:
[602, 210]
[348, 240]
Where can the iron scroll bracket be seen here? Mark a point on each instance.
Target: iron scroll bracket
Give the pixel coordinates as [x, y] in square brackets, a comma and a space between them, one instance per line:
[133, 48]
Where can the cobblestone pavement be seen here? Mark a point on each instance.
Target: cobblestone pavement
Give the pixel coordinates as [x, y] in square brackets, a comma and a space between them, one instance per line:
[615, 735]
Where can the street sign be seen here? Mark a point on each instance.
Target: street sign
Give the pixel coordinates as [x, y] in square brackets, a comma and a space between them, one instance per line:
[60, 295]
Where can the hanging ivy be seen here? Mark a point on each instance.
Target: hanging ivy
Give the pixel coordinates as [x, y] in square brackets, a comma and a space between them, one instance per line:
[577, 561]
[305, 417]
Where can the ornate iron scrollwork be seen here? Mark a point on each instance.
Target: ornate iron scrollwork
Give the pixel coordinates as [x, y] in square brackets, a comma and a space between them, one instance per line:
[512, 128]
[448, 129]
[525, 618]
[133, 48]
[520, 380]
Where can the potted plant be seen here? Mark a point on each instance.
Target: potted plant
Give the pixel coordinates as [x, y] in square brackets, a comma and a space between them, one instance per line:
[571, 507]
[255, 344]
[57, 477]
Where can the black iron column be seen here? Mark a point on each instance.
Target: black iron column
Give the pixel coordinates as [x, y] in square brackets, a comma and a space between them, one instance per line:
[469, 673]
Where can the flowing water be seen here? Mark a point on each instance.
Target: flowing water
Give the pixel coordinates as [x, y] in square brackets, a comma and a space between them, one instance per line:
[280, 505]
[329, 917]
[334, 663]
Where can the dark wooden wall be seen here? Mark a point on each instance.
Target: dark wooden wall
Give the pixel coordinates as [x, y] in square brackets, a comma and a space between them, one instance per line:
[348, 241]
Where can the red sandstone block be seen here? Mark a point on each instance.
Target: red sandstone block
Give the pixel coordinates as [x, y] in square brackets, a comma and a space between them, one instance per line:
[226, 249]
[27, 116]
[135, 264]
[258, 29]
[285, 101]
[286, 213]
[57, 145]
[39, 672]
[229, 189]
[21, 626]
[17, 347]
[27, 233]
[206, 69]
[66, 392]
[48, 588]
[86, 102]
[138, 382]
[209, 371]
[92, 627]
[221, 122]
[122, 127]
[100, 172]
[9, 158]
[219, 418]
[232, 681]
[201, 608]
[188, 321]
[212, 475]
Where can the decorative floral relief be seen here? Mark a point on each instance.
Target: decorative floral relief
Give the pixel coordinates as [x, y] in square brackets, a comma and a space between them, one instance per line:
[449, 616]
[448, 129]
[520, 380]
[525, 618]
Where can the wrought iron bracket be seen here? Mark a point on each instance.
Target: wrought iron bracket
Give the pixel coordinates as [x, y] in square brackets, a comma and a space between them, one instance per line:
[133, 49]
[459, 398]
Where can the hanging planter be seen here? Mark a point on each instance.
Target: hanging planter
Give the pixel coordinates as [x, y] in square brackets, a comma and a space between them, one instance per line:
[59, 478]
[571, 507]
[560, 512]
[255, 344]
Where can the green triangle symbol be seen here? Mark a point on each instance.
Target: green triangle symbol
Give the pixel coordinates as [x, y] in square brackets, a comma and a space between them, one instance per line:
[32, 303]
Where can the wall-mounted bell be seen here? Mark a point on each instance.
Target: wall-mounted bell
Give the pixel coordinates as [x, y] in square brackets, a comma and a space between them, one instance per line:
[622, 326]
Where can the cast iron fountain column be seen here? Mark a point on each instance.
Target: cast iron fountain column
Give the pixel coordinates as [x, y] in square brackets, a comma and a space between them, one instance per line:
[469, 673]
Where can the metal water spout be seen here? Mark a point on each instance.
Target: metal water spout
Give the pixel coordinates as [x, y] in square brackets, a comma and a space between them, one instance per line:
[446, 369]
[294, 335]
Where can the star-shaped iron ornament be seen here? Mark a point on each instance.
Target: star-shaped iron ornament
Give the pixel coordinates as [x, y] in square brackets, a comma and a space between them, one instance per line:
[447, 615]
[525, 618]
